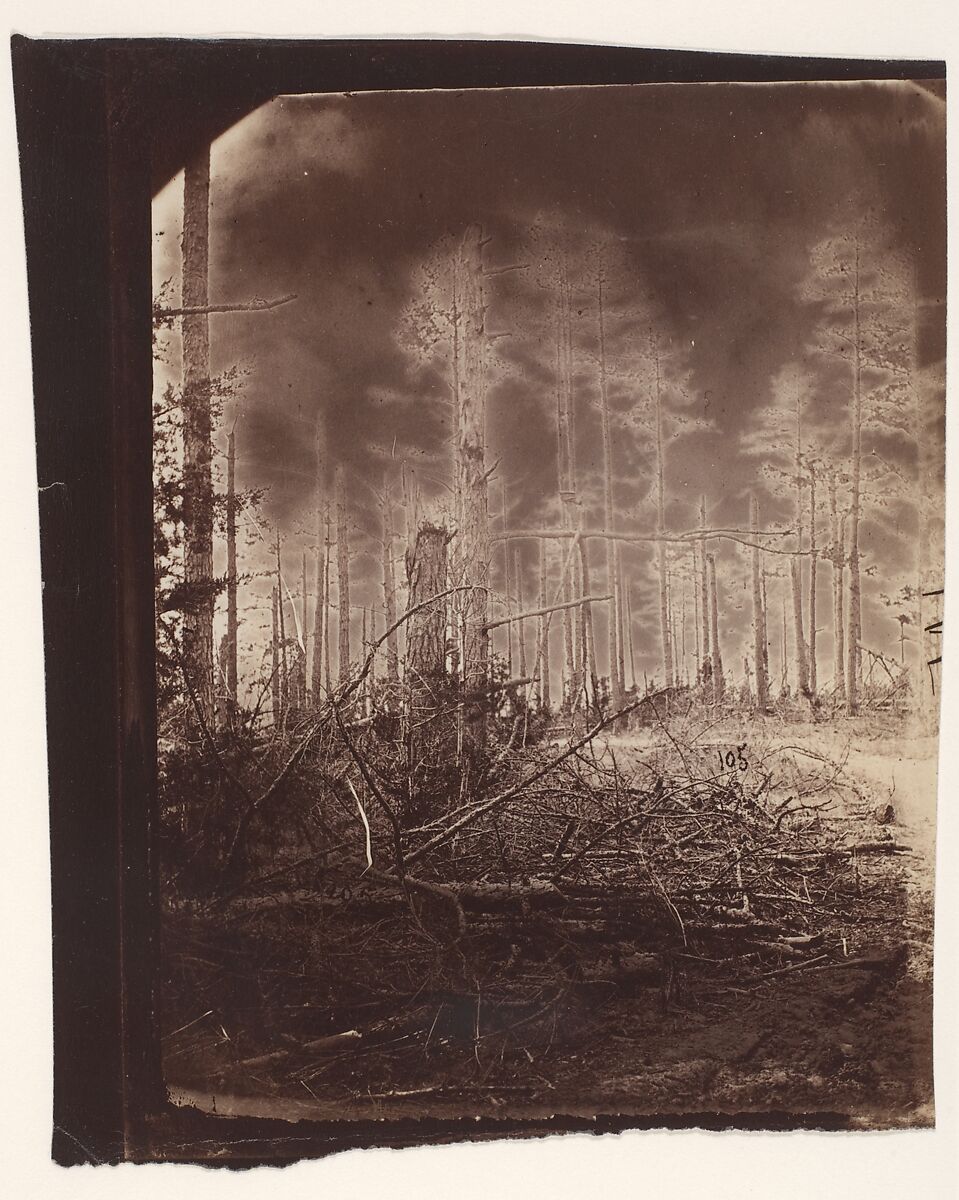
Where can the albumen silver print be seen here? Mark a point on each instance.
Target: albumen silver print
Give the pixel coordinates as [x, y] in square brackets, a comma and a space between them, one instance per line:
[548, 524]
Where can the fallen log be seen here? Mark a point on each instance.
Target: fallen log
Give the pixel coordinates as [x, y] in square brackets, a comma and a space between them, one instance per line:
[334, 1043]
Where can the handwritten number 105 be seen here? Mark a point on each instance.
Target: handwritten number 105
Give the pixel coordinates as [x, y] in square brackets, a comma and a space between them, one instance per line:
[733, 758]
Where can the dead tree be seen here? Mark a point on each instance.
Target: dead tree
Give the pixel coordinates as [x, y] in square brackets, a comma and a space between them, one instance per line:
[614, 649]
[232, 623]
[343, 572]
[197, 437]
[586, 625]
[365, 686]
[629, 636]
[328, 542]
[665, 633]
[471, 476]
[275, 676]
[544, 666]
[320, 631]
[707, 666]
[795, 567]
[837, 559]
[813, 573]
[284, 673]
[304, 636]
[719, 685]
[521, 631]
[426, 569]
[575, 632]
[507, 589]
[389, 588]
[855, 583]
[620, 615]
[760, 644]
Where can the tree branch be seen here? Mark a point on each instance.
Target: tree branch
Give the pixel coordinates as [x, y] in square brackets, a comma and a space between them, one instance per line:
[198, 310]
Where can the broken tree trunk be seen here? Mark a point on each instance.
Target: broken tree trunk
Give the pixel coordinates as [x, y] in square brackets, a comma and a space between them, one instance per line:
[275, 676]
[707, 666]
[304, 636]
[232, 623]
[197, 438]
[507, 592]
[614, 650]
[813, 572]
[760, 645]
[588, 641]
[343, 572]
[837, 559]
[544, 692]
[320, 630]
[521, 631]
[471, 476]
[795, 568]
[855, 587]
[620, 615]
[629, 636]
[665, 633]
[327, 669]
[426, 572]
[284, 674]
[719, 684]
[389, 589]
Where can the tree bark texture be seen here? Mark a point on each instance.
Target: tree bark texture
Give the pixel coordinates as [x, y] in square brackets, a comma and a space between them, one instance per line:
[197, 437]
[343, 572]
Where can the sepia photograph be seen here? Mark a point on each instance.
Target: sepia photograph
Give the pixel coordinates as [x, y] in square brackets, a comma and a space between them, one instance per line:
[548, 530]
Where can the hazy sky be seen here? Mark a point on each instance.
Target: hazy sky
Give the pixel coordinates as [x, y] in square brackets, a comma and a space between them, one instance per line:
[709, 206]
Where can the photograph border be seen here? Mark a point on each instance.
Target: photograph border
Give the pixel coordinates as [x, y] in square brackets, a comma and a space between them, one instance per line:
[102, 125]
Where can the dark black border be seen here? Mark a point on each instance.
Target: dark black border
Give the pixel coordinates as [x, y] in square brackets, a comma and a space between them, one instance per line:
[103, 124]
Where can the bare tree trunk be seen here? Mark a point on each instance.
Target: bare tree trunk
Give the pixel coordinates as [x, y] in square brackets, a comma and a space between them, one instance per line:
[696, 618]
[575, 639]
[305, 648]
[544, 682]
[719, 686]
[760, 645]
[629, 637]
[197, 438]
[612, 575]
[795, 568]
[284, 673]
[319, 613]
[589, 645]
[232, 622]
[471, 474]
[620, 620]
[837, 557]
[275, 677]
[426, 639]
[343, 572]
[784, 661]
[813, 574]
[665, 633]
[569, 680]
[320, 630]
[855, 584]
[521, 631]
[507, 589]
[364, 650]
[327, 669]
[389, 588]
[707, 666]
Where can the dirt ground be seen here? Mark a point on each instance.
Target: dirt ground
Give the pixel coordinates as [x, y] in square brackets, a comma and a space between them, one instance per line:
[848, 1037]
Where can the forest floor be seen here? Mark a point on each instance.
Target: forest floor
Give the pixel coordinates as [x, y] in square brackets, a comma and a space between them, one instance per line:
[844, 1036]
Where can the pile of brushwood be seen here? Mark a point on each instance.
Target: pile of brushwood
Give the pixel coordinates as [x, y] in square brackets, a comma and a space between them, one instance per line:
[342, 933]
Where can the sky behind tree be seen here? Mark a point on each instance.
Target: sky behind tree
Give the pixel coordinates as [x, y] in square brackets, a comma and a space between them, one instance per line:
[713, 213]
